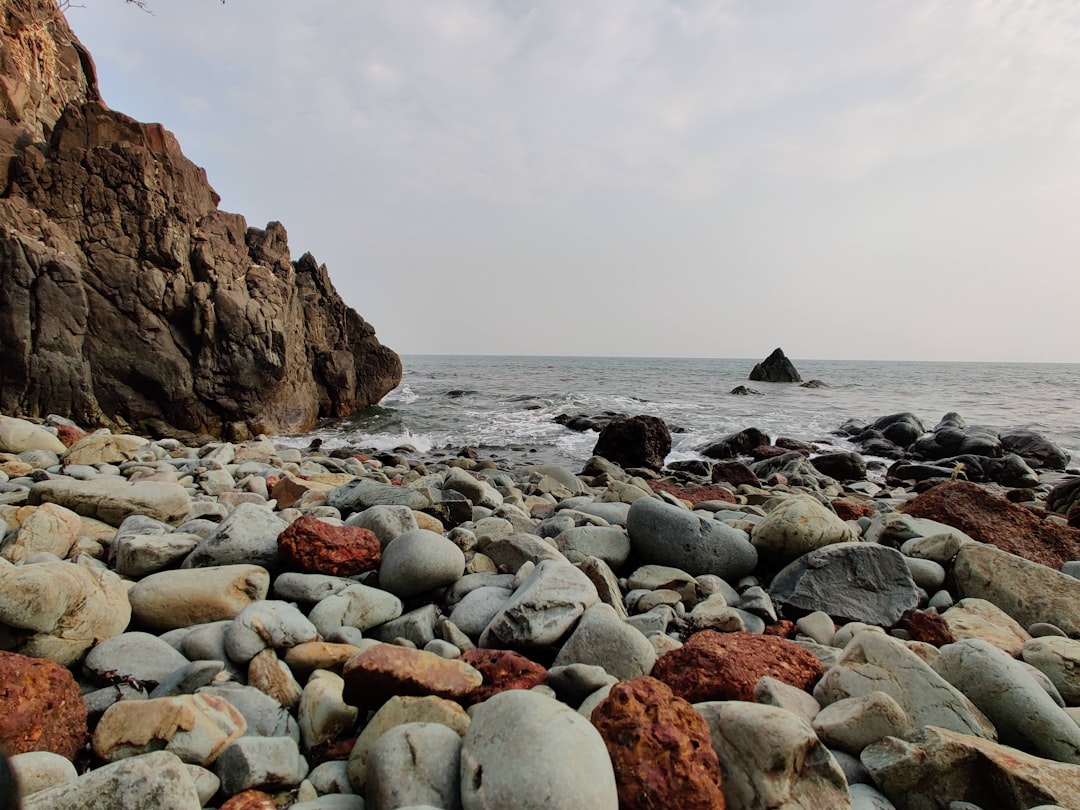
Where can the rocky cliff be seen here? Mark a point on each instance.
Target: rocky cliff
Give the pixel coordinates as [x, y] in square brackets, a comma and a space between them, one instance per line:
[127, 297]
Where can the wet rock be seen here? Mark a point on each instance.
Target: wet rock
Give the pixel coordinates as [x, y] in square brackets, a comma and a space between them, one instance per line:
[317, 547]
[736, 444]
[637, 441]
[41, 708]
[775, 368]
[659, 747]
[842, 465]
[1035, 449]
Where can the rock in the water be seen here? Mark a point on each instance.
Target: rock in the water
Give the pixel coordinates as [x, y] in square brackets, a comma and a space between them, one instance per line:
[841, 465]
[854, 581]
[638, 441]
[666, 534]
[660, 748]
[933, 766]
[567, 762]
[380, 672]
[41, 708]
[770, 757]
[741, 443]
[317, 547]
[775, 368]
[1035, 449]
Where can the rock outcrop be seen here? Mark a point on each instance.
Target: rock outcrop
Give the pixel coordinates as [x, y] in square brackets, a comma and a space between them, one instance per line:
[775, 368]
[127, 297]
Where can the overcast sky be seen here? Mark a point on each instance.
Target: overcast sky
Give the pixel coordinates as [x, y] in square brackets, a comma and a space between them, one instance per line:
[847, 179]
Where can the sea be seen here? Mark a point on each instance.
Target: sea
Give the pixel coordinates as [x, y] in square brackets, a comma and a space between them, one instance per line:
[505, 407]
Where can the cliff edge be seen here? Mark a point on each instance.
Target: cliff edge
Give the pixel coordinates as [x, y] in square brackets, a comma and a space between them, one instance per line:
[128, 299]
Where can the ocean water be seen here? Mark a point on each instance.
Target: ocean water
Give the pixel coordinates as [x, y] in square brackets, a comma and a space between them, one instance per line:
[504, 407]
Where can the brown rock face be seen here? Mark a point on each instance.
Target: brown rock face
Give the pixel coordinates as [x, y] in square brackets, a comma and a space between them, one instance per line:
[638, 441]
[694, 495]
[41, 708]
[502, 670]
[660, 748]
[383, 671]
[989, 519]
[927, 627]
[735, 473]
[319, 548]
[851, 510]
[726, 666]
[127, 298]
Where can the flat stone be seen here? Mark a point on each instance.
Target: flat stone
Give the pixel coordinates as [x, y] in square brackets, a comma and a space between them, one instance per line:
[363, 493]
[139, 555]
[294, 586]
[568, 762]
[113, 499]
[603, 639]
[414, 764]
[383, 671]
[156, 780]
[305, 658]
[769, 691]
[181, 598]
[609, 543]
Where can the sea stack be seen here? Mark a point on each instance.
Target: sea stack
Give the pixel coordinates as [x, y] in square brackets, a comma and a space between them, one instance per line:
[775, 368]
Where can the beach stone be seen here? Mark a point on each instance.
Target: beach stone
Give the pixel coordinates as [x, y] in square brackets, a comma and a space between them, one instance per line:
[293, 586]
[414, 764]
[41, 708]
[418, 561]
[817, 625]
[543, 609]
[19, 436]
[665, 534]
[247, 536]
[659, 747]
[602, 639]
[502, 670]
[155, 780]
[417, 626]
[266, 623]
[978, 618]
[855, 581]
[250, 800]
[386, 522]
[113, 499]
[358, 606]
[940, 548]
[475, 490]
[269, 674]
[399, 711]
[873, 661]
[929, 764]
[1059, 659]
[929, 628]
[727, 666]
[169, 600]
[609, 543]
[476, 610]
[572, 683]
[769, 691]
[138, 555]
[102, 447]
[289, 489]
[797, 525]
[134, 656]
[635, 441]
[927, 574]
[665, 577]
[196, 728]
[382, 671]
[264, 716]
[48, 528]
[853, 723]
[511, 551]
[990, 519]
[260, 762]
[568, 762]
[1025, 716]
[39, 770]
[363, 493]
[843, 465]
[1034, 448]
[1027, 591]
[317, 547]
[863, 796]
[323, 714]
[58, 610]
[771, 758]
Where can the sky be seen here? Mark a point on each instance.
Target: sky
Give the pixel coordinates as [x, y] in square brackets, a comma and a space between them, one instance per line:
[846, 179]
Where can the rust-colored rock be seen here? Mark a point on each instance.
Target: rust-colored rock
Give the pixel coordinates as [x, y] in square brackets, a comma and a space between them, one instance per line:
[380, 672]
[636, 441]
[502, 670]
[851, 510]
[660, 748]
[69, 435]
[927, 627]
[784, 628]
[726, 666]
[330, 751]
[250, 800]
[317, 547]
[989, 519]
[735, 473]
[694, 495]
[41, 708]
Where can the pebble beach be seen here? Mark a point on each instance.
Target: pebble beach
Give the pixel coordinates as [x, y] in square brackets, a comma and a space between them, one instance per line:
[252, 625]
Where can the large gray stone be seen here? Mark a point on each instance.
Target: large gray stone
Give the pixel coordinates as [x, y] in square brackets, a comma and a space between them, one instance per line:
[419, 561]
[543, 609]
[609, 543]
[603, 639]
[797, 525]
[386, 522]
[247, 536]
[854, 581]
[260, 762]
[169, 600]
[18, 436]
[1059, 659]
[363, 493]
[266, 624]
[149, 782]
[358, 606]
[414, 764]
[531, 752]
[140, 656]
[666, 534]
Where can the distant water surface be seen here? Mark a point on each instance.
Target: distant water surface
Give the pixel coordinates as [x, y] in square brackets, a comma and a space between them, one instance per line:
[504, 407]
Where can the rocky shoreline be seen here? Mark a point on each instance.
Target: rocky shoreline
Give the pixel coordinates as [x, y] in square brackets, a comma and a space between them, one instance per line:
[244, 625]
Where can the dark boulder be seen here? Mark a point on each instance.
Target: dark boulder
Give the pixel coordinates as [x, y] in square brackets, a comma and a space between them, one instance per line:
[787, 443]
[905, 470]
[900, 428]
[638, 441]
[1035, 449]
[874, 443]
[1009, 470]
[742, 391]
[735, 473]
[775, 368]
[842, 465]
[694, 466]
[795, 467]
[740, 443]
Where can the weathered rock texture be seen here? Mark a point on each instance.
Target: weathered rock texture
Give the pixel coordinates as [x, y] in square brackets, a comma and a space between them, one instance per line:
[127, 298]
[775, 368]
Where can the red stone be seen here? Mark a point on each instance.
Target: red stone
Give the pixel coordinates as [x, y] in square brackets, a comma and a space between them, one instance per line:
[726, 666]
[379, 673]
[735, 473]
[927, 627]
[660, 748]
[320, 548]
[851, 510]
[502, 670]
[764, 451]
[989, 519]
[784, 628]
[694, 495]
[331, 751]
[41, 708]
[250, 800]
[69, 435]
